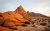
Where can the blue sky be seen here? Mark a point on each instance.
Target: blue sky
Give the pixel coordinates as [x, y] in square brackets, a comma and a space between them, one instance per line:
[38, 6]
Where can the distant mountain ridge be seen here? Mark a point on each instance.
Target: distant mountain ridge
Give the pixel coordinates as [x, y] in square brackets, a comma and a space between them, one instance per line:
[36, 14]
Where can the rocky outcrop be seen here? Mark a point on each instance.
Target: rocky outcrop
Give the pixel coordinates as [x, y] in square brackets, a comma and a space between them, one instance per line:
[20, 20]
[21, 11]
[13, 16]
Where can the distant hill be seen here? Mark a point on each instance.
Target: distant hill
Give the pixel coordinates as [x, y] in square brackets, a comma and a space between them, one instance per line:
[32, 14]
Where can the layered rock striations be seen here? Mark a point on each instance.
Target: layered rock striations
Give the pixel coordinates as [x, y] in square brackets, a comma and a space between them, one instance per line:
[20, 20]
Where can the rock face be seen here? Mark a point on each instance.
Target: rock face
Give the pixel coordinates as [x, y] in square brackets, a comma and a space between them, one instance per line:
[21, 11]
[12, 16]
[15, 16]
[20, 20]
